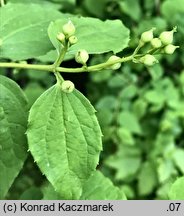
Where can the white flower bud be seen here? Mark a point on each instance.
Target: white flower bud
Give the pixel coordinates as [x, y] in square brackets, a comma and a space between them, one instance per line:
[61, 37]
[147, 36]
[73, 40]
[169, 49]
[69, 29]
[166, 37]
[156, 43]
[116, 65]
[67, 86]
[148, 60]
[81, 57]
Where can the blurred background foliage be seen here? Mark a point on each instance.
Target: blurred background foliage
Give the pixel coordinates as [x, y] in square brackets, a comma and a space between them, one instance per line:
[140, 110]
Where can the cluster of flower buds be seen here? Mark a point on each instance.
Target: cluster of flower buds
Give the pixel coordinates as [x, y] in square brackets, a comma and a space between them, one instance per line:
[163, 42]
[67, 34]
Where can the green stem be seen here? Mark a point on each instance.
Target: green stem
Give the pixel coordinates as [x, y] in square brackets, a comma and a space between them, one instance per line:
[59, 61]
[93, 68]
[140, 45]
[48, 68]
[61, 55]
[51, 68]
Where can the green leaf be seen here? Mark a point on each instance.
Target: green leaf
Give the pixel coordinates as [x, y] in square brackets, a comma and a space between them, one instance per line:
[156, 71]
[162, 191]
[13, 121]
[96, 9]
[98, 187]
[115, 81]
[130, 122]
[32, 193]
[126, 162]
[105, 117]
[45, 3]
[129, 91]
[155, 97]
[65, 139]
[178, 158]
[147, 179]
[125, 136]
[107, 102]
[33, 90]
[146, 24]
[165, 170]
[139, 108]
[23, 30]
[176, 190]
[171, 8]
[93, 35]
[131, 8]
[49, 193]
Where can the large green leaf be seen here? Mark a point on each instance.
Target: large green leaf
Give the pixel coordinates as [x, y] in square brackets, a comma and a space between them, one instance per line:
[65, 139]
[93, 35]
[13, 121]
[98, 187]
[23, 30]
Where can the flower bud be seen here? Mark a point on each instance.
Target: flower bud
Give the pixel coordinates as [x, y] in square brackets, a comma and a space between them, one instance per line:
[61, 37]
[73, 40]
[69, 29]
[166, 37]
[148, 60]
[81, 57]
[67, 86]
[169, 49]
[156, 43]
[116, 65]
[147, 36]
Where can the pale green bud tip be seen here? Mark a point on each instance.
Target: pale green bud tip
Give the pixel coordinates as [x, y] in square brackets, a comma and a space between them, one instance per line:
[69, 29]
[1, 42]
[147, 36]
[67, 86]
[116, 65]
[73, 40]
[169, 49]
[61, 37]
[156, 43]
[81, 56]
[166, 37]
[148, 60]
